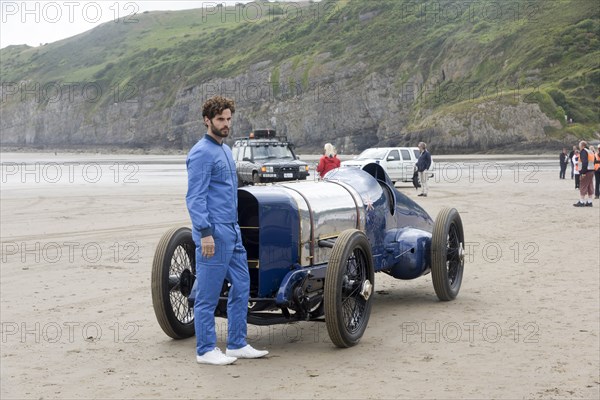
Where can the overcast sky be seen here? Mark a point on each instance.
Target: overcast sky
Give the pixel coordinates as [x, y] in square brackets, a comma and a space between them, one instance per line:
[38, 22]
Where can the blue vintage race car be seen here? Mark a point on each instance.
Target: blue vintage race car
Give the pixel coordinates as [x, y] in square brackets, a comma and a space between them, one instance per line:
[313, 249]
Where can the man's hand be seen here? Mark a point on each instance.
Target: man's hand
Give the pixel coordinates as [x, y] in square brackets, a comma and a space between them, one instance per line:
[208, 246]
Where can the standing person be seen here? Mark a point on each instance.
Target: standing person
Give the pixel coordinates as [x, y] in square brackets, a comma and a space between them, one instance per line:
[575, 160]
[212, 204]
[563, 160]
[571, 154]
[328, 160]
[586, 175]
[423, 164]
[596, 172]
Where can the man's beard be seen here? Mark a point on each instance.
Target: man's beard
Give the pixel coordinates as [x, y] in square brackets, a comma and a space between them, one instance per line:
[218, 132]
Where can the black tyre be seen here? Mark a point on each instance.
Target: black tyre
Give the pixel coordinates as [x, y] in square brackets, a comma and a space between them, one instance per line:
[348, 288]
[173, 275]
[255, 178]
[447, 254]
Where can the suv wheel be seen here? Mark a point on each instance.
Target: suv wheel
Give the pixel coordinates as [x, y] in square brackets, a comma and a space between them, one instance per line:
[255, 178]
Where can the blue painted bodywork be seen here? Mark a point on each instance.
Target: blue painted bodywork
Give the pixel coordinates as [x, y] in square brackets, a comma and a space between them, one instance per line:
[398, 229]
[383, 219]
[278, 237]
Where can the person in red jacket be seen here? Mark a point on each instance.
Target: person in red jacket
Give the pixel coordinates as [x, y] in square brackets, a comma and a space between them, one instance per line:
[328, 160]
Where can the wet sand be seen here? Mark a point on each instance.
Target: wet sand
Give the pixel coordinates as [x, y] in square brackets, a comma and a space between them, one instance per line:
[78, 236]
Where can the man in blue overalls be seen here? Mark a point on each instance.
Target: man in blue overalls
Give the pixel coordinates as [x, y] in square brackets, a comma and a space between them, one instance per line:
[212, 204]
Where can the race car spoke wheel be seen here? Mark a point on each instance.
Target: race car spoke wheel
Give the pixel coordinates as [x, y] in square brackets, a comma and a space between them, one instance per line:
[173, 275]
[447, 254]
[348, 287]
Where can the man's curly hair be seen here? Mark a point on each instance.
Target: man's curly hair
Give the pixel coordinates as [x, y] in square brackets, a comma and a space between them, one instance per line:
[216, 105]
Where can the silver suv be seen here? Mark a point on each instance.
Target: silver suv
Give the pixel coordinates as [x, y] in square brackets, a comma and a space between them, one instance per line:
[265, 157]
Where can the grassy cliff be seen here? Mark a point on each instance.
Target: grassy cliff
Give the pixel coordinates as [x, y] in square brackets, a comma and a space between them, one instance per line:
[445, 56]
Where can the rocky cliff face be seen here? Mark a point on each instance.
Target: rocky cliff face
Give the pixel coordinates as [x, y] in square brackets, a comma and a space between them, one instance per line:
[488, 126]
[324, 102]
[355, 109]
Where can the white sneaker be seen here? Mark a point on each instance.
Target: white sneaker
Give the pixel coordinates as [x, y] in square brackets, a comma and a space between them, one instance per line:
[215, 357]
[246, 352]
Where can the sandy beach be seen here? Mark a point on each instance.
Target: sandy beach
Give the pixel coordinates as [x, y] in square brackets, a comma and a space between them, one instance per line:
[78, 236]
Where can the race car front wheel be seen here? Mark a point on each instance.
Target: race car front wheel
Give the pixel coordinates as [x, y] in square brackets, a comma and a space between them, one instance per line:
[348, 288]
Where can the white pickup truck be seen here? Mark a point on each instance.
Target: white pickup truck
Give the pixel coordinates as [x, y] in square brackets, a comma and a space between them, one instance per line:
[398, 162]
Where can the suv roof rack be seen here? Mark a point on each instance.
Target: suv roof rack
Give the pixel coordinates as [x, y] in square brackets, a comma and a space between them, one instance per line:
[262, 134]
[249, 141]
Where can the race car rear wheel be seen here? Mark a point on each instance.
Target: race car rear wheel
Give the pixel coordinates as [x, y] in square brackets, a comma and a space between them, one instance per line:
[348, 287]
[447, 254]
[173, 275]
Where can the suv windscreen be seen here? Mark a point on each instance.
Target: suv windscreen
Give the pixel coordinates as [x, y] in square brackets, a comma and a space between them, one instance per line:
[272, 152]
[372, 153]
